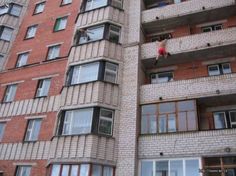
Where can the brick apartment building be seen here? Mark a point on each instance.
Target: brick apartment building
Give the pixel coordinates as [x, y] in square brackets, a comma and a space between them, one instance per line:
[81, 95]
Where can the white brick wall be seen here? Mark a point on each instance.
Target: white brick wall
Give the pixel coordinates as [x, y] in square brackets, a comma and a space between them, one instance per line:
[187, 89]
[187, 144]
[188, 7]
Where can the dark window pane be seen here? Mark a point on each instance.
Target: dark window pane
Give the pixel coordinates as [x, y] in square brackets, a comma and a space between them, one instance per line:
[186, 105]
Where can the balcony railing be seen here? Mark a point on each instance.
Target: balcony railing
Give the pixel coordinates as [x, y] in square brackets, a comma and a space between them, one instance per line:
[193, 11]
[205, 45]
[188, 89]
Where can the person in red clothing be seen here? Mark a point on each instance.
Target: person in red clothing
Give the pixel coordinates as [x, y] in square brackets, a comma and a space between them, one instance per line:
[161, 50]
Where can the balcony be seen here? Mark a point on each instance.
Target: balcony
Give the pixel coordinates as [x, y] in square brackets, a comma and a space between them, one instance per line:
[186, 13]
[90, 93]
[100, 15]
[102, 48]
[188, 89]
[193, 47]
[187, 144]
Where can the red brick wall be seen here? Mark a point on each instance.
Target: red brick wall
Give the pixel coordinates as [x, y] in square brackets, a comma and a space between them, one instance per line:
[9, 167]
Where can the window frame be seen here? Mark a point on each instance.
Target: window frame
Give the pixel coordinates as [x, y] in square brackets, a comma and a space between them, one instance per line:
[225, 120]
[20, 167]
[94, 126]
[2, 30]
[157, 77]
[18, 59]
[12, 6]
[71, 164]
[64, 4]
[41, 83]
[107, 119]
[184, 160]
[100, 74]
[3, 130]
[32, 130]
[157, 114]
[212, 28]
[232, 123]
[6, 93]
[36, 5]
[220, 67]
[105, 34]
[58, 20]
[35, 26]
[48, 51]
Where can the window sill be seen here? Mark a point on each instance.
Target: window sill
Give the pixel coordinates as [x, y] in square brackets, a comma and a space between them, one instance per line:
[38, 97]
[29, 38]
[92, 82]
[5, 40]
[62, 5]
[55, 31]
[85, 134]
[27, 142]
[80, 44]
[37, 13]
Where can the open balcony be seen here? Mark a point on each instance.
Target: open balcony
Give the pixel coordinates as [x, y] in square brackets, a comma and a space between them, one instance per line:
[202, 46]
[186, 13]
[188, 89]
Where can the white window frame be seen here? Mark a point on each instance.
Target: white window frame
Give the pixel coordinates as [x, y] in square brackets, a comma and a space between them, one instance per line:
[69, 122]
[5, 9]
[22, 57]
[223, 68]
[106, 119]
[65, 2]
[8, 97]
[20, 169]
[87, 39]
[92, 5]
[53, 48]
[32, 129]
[215, 65]
[225, 120]
[155, 81]
[169, 160]
[12, 7]
[31, 31]
[37, 6]
[41, 87]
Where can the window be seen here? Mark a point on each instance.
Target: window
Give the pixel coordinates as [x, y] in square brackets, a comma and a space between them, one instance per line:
[232, 119]
[60, 24]
[12, 9]
[6, 33]
[219, 69]
[87, 120]
[212, 28]
[175, 167]
[43, 87]
[161, 37]
[169, 117]
[94, 4]
[15, 10]
[161, 77]
[64, 2]
[220, 120]
[39, 8]
[2, 128]
[95, 33]
[31, 31]
[114, 34]
[22, 59]
[117, 3]
[53, 52]
[81, 169]
[103, 71]
[85, 73]
[218, 166]
[4, 9]
[33, 129]
[224, 119]
[23, 170]
[10, 93]
[105, 122]
[111, 72]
